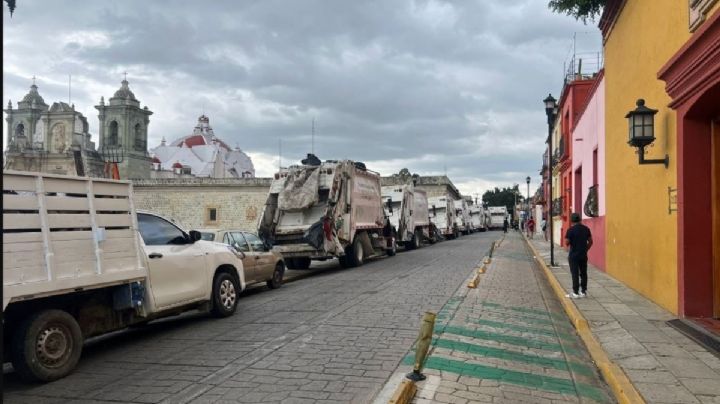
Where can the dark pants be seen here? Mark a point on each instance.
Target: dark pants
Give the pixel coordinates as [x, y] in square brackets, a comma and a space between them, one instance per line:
[578, 269]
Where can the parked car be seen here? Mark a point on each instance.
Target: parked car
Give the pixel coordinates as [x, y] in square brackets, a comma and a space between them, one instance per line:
[260, 263]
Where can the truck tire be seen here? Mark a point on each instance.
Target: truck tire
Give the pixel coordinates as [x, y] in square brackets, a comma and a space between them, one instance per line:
[46, 346]
[277, 277]
[225, 295]
[354, 253]
[393, 250]
[298, 263]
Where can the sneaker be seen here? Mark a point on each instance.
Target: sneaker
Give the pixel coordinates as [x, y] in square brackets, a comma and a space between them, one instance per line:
[573, 295]
[583, 294]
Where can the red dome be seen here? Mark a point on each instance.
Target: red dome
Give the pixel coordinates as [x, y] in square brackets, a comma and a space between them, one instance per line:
[200, 140]
[156, 160]
[177, 165]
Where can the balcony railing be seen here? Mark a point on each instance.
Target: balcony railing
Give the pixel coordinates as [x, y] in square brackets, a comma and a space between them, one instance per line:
[591, 202]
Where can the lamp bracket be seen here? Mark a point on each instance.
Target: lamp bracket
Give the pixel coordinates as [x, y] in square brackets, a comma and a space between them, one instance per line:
[642, 160]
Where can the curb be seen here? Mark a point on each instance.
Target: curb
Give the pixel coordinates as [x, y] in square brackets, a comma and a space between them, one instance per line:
[621, 386]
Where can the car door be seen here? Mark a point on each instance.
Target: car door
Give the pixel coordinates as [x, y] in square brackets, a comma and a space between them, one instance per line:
[264, 259]
[176, 264]
[236, 240]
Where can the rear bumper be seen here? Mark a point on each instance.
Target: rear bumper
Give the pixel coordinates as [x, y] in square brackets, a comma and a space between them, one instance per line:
[300, 250]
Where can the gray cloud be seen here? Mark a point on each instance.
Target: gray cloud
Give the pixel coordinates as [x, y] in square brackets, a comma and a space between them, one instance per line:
[391, 82]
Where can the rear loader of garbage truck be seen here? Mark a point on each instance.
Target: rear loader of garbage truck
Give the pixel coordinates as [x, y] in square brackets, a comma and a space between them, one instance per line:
[478, 219]
[75, 266]
[462, 216]
[497, 216]
[442, 215]
[333, 209]
[406, 210]
[421, 216]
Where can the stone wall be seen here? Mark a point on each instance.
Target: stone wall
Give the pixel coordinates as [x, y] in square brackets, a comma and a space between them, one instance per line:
[238, 201]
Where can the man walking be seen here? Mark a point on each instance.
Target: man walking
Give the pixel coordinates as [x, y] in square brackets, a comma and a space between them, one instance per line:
[505, 224]
[543, 226]
[530, 225]
[579, 239]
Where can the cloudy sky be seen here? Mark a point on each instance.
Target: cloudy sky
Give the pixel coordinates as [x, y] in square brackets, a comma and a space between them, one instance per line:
[435, 86]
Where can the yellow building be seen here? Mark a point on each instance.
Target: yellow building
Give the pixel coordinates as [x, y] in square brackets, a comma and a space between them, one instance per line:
[642, 219]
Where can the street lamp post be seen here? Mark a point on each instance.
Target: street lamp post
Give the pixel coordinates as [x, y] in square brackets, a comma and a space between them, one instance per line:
[550, 107]
[527, 179]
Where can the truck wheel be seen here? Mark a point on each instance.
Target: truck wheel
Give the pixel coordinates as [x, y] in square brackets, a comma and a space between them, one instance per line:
[276, 280]
[303, 262]
[225, 295]
[355, 253]
[393, 250]
[47, 346]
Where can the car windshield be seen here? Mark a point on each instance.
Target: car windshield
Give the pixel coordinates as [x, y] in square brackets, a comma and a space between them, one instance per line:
[207, 236]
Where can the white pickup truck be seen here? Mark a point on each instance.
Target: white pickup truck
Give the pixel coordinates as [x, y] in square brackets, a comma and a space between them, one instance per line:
[78, 261]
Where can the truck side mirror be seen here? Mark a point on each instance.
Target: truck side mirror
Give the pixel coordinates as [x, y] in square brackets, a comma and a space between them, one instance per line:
[195, 236]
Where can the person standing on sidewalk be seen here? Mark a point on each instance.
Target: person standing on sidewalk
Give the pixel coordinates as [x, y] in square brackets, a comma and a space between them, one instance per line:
[530, 225]
[505, 224]
[543, 226]
[579, 238]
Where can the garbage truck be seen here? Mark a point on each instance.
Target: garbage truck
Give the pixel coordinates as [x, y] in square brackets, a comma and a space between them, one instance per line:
[497, 216]
[320, 210]
[79, 261]
[407, 210]
[462, 216]
[442, 216]
[478, 218]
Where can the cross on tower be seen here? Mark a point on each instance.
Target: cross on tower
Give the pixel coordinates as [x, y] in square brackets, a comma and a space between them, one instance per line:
[125, 74]
[33, 79]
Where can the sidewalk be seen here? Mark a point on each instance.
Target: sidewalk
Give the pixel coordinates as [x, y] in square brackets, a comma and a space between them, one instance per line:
[508, 340]
[664, 365]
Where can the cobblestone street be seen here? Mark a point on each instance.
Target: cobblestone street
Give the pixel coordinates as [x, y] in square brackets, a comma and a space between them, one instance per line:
[335, 336]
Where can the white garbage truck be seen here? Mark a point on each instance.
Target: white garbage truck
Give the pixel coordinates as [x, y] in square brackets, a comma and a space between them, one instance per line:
[325, 210]
[79, 261]
[478, 218]
[497, 216]
[462, 216]
[407, 210]
[442, 216]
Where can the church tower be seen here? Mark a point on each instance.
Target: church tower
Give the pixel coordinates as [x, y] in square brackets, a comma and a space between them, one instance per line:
[124, 132]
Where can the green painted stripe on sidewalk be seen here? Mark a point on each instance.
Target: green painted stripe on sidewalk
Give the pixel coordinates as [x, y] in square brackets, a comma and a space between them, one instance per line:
[520, 328]
[525, 319]
[499, 353]
[539, 382]
[507, 339]
[518, 309]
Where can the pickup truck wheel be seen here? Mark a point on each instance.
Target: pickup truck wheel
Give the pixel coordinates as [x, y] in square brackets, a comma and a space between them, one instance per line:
[225, 295]
[277, 278]
[47, 346]
[355, 253]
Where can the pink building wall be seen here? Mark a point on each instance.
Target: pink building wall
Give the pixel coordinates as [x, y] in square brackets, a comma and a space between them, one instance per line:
[588, 160]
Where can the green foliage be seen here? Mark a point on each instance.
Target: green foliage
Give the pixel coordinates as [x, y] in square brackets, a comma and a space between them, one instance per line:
[503, 197]
[579, 9]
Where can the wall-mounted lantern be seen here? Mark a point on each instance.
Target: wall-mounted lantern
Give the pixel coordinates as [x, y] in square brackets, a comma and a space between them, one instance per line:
[641, 131]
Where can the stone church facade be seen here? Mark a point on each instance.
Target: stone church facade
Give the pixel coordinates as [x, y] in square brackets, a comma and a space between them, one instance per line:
[56, 139]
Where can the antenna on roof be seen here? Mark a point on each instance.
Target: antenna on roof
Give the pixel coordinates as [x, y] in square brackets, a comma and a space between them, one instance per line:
[312, 144]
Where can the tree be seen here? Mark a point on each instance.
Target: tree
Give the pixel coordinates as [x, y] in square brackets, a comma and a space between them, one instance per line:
[503, 197]
[579, 9]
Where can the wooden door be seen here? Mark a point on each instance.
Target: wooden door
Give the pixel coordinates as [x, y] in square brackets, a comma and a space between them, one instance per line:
[715, 142]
